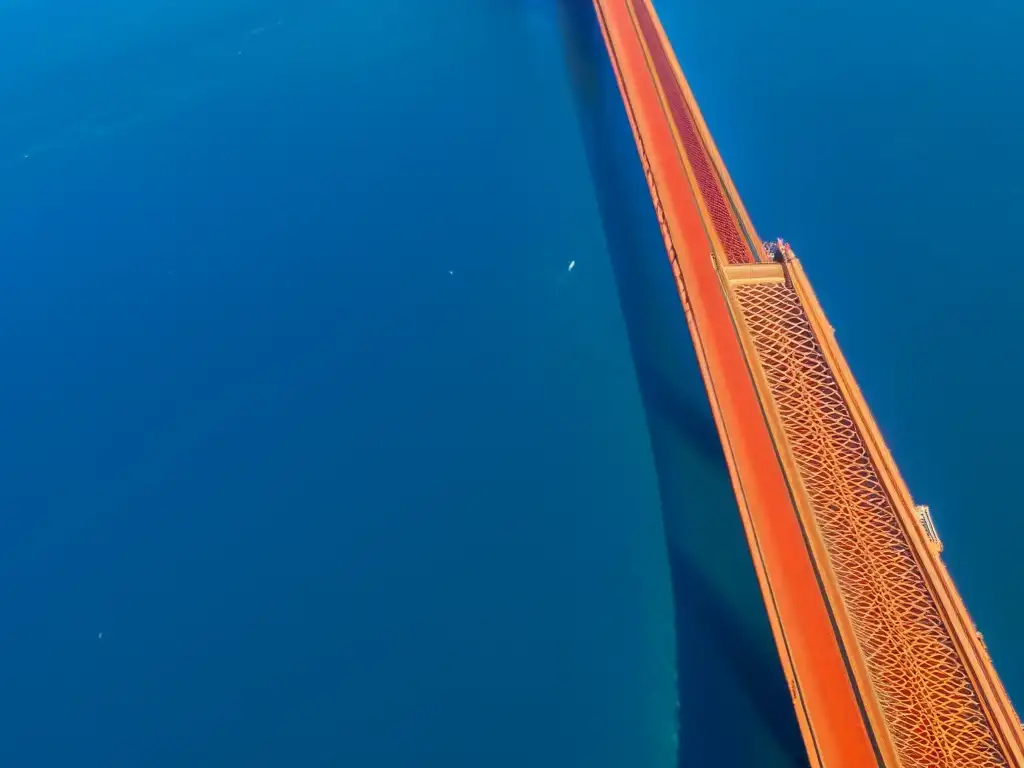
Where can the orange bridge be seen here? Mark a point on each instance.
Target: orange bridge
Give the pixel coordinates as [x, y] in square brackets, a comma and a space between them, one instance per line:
[883, 661]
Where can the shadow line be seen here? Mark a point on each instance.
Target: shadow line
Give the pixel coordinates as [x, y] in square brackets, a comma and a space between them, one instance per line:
[730, 656]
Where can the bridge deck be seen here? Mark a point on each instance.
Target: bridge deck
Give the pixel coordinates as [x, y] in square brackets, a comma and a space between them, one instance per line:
[884, 664]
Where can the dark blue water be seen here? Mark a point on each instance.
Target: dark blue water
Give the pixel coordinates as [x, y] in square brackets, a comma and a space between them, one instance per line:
[306, 415]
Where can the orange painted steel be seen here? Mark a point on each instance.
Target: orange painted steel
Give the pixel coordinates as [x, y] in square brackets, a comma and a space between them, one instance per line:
[884, 664]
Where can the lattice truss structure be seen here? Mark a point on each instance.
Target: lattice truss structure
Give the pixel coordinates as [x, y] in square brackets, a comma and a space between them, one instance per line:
[737, 250]
[930, 706]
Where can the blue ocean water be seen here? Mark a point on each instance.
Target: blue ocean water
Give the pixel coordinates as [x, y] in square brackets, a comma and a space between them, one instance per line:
[318, 453]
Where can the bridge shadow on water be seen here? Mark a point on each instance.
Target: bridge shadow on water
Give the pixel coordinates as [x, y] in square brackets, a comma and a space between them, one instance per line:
[734, 704]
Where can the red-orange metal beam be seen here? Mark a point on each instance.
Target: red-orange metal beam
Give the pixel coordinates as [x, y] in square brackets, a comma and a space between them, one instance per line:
[831, 716]
[884, 663]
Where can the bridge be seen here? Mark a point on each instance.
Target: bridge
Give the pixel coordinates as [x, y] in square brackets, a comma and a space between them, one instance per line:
[884, 664]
